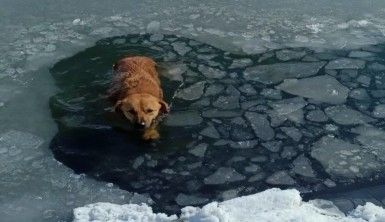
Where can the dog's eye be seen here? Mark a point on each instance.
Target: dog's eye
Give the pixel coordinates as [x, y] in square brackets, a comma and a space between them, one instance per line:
[149, 110]
[133, 112]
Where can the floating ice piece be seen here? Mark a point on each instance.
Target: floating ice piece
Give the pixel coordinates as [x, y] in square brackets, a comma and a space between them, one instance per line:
[280, 178]
[211, 132]
[302, 166]
[192, 92]
[275, 73]
[321, 88]
[345, 116]
[214, 89]
[181, 48]
[379, 111]
[199, 150]
[292, 132]
[372, 139]
[109, 212]
[153, 26]
[184, 118]
[260, 125]
[189, 200]
[286, 55]
[271, 93]
[359, 94]
[240, 63]
[287, 106]
[316, 116]
[360, 54]
[343, 159]
[272, 146]
[224, 175]
[252, 168]
[377, 66]
[174, 71]
[211, 73]
[246, 144]
[346, 63]
[247, 89]
[364, 80]
[227, 102]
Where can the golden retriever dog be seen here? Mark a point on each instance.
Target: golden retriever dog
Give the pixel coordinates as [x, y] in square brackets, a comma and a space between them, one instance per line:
[136, 92]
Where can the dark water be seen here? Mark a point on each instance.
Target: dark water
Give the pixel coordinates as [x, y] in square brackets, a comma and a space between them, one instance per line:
[224, 142]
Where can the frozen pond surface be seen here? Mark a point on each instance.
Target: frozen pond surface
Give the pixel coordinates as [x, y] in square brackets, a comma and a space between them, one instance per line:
[239, 124]
[36, 187]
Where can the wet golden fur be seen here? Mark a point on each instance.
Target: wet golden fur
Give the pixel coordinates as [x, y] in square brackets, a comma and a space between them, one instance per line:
[136, 92]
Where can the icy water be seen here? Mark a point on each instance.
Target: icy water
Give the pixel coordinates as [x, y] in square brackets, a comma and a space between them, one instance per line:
[37, 35]
[239, 123]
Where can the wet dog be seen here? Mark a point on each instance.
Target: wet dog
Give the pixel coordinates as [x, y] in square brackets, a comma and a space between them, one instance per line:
[136, 92]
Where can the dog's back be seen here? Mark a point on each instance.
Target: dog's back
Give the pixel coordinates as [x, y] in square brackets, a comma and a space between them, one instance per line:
[135, 75]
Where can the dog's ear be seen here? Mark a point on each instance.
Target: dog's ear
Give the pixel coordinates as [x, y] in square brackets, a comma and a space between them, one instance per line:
[164, 109]
[117, 105]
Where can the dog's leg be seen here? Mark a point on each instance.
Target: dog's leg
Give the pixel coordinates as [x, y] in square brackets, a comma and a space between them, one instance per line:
[151, 133]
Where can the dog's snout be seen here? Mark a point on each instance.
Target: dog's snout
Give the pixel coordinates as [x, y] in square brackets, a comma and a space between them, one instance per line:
[140, 124]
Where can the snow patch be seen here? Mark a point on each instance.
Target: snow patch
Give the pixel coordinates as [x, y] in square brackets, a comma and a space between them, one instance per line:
[273, 205]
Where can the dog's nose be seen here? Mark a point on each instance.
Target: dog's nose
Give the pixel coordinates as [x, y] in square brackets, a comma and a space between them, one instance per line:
[140, 124]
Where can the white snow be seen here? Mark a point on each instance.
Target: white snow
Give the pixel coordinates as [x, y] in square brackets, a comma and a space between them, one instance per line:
[113, 212]
[273, 205]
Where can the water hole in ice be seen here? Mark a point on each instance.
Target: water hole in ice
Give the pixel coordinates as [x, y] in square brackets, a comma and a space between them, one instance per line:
[238, 125]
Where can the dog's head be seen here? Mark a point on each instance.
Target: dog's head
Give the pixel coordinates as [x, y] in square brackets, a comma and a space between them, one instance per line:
[141, 109]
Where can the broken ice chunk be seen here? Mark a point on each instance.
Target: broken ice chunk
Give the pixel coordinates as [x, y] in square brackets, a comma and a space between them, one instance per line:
[345, 63]
[316, 116]
[302, 166]
[345, 116]
[210, 131]
[189, 200]
[174, 72]
[271, 93]
[240, 63]
[287, 106]
[364, 80]
[223, 175]
[227, 102]
[359, 94]
[199, 150]
[280, 178]
[343, 159]
[214, 89]
[260, 125]
[153, 26]
[211, 73]
[252, 168]
[192, 92]
[372, 139]
[275, 73]
[322, 88]
[246, 144]
[379, 111]
[181, 48]
[286, 55]
[360, 54]
[273, 146]
[247, 89]
[292, 132]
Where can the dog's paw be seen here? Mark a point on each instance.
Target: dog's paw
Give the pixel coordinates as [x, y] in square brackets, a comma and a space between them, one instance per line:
[151, 134]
